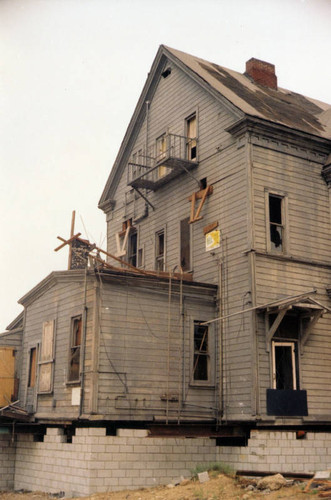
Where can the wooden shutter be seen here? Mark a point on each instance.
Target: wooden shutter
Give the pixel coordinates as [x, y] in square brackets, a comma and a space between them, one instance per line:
[46, 358]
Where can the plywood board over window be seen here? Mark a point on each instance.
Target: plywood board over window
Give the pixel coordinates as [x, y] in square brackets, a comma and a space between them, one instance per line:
[7, 375]
[46, 360]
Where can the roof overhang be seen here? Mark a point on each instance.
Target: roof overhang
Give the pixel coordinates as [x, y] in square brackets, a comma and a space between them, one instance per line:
[305, 306]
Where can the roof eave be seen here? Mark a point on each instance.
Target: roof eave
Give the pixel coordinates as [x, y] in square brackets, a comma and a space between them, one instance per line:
[49, 282]
[260, 125]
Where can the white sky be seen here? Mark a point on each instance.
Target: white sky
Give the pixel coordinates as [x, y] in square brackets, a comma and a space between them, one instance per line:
[71, 74]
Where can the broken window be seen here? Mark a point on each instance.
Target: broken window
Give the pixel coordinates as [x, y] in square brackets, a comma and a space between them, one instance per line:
[75, 345]
[191, 134]
[284, 367]
[46, 360]
[185, 244]
[276, 223]
[201, 352]
[159, 250]
[32, 367]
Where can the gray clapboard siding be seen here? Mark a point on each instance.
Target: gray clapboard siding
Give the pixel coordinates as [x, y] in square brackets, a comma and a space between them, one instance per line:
[134, 343]
[59, 303]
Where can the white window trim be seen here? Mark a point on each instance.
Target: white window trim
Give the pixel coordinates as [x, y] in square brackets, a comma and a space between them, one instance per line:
[164, 231]
[211, 358]
[285, 221]
[291, 344]
[72, 318]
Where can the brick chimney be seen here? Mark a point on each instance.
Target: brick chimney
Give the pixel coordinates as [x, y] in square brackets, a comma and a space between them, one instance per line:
[262, 73]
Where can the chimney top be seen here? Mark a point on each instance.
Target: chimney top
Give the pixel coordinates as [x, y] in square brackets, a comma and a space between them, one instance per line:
[262, 73]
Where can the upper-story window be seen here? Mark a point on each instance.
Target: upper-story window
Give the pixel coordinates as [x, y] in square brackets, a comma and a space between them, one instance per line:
[161, 151]
[133, 247]
[159, 250]
[191, 134]
[276, 230]
[185, 244]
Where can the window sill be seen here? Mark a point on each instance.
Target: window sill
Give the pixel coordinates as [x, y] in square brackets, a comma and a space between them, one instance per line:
[202, 385]
[73, 382]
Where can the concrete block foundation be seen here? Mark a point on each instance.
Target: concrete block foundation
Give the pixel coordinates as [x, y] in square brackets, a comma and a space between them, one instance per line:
[95, 462]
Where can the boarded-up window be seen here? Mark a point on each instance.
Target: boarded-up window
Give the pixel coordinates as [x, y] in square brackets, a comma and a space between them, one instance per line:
[7, 375]
[46, 360]
[32, 367]
[75, 345]
[185, 244]
[201, 353]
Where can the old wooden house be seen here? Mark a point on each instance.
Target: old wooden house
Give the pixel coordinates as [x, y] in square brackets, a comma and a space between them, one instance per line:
[216, 322]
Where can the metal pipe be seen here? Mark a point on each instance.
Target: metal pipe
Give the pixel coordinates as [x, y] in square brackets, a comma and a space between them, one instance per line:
[257, 307]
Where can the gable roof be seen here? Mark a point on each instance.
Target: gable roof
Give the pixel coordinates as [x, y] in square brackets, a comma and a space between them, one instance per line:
[238, 92]
[280, 106]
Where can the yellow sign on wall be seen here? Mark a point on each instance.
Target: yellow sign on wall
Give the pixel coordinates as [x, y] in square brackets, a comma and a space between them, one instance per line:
[213, 240]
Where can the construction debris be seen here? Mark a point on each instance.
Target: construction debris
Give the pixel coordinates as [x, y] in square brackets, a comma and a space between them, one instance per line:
[321, 482]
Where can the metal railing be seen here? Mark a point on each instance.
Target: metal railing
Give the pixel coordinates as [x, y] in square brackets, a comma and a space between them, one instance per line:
[155, 164]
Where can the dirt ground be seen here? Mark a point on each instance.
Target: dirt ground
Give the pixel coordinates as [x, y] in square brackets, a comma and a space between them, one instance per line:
[220, 487]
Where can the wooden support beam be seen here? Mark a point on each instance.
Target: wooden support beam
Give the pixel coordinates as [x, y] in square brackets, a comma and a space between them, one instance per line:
[270, 333]
[315, 316]
[202, 196]
[66, 242]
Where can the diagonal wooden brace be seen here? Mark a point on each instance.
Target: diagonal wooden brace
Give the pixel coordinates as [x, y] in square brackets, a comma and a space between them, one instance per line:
[202, 196]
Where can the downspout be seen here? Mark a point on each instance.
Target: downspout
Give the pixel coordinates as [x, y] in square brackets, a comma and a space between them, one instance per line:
[219, 349]
[82, 369]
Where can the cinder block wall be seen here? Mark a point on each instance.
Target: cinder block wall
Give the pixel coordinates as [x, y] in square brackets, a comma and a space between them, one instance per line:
[7, 462]
[280, 451]
[94, 462]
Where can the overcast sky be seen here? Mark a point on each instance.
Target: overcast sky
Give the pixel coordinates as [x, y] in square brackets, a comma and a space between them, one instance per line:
[71, 74]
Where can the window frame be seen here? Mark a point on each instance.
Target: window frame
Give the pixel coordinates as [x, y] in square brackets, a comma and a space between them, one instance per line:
[283, 197]
[294, 345]
[199, 382]
[132, 256]
[191, 142]
[75, 348]
[190, 252]
[32, 367]
[160, 257]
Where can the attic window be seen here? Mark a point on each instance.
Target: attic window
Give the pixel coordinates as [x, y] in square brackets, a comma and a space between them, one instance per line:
[166, 73]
